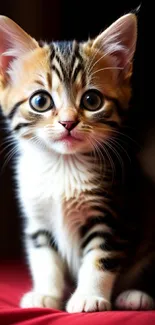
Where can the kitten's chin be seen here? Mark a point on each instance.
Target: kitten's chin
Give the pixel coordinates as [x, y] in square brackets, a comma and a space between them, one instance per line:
[69, 147]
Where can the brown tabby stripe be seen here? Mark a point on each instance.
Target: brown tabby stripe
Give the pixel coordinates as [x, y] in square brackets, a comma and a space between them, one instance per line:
[49, 80]
[39, 82]
[119, 109]
[54, 68]
[76, 72]
[106, 219]
[110, 264]
[15, 107]
[67, 74]
[113, 124]
[52, 52]
[98, 208]
[22, 125]
[57, 58]
[95, 234]
[75, 48]
[72, 62]
[112, 245]
[35, 238]
[104, 118]
[77, 53]
[83, 80]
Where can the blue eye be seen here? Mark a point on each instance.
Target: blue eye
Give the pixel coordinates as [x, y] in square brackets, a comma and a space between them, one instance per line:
[41, 101]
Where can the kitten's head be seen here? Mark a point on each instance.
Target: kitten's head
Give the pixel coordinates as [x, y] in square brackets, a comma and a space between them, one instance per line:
[67, 96]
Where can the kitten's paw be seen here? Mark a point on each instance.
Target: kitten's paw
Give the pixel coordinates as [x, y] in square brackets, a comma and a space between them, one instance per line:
[134, 300]
[85, 303]
[35, 299]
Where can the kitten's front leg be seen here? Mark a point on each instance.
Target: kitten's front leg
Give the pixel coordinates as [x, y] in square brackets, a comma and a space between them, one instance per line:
[47, 271]
[95, 282]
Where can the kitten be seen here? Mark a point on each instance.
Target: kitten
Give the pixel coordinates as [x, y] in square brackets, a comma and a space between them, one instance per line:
[65, 102]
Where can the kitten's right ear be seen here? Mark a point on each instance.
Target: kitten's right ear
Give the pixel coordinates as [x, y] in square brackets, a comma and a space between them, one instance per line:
[14, 42]
[119, 41]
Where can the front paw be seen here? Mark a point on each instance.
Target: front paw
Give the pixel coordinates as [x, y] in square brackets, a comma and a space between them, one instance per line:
[35, 299]
[134, 300]
[87, 303]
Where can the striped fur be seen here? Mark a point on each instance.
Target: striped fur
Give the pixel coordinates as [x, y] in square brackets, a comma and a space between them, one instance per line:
[64, 172]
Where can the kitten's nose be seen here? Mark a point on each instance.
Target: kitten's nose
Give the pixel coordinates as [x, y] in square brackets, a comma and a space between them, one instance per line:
[69, 125]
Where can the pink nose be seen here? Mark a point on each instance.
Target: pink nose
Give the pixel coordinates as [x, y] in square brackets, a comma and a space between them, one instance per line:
[69, 125]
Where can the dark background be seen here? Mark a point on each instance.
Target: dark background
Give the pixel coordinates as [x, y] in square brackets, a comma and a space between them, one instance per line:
[55, 20]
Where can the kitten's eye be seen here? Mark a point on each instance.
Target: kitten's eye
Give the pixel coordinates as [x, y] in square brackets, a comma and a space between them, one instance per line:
[41, 101]
[92, 100]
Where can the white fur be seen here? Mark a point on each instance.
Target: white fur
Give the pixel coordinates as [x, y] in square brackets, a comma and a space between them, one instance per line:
[52, 175]
[134, 300]
[96, 241]
[47, 270]
[44, 180]
[50, 187]
[94, 286]
[36, 299]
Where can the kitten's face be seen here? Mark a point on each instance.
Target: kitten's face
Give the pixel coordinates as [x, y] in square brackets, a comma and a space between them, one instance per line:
[68, 97]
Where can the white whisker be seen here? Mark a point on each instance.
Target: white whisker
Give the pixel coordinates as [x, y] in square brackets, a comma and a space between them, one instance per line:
[88, 66]
[9, 156]
[115, 142]
[93, 65]
[100, 145]
[106, 68]
[120, 160]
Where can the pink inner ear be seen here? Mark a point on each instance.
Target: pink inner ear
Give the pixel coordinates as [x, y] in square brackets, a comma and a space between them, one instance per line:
[119, 40]
[14, 42]
[120, 58]
[4, 60]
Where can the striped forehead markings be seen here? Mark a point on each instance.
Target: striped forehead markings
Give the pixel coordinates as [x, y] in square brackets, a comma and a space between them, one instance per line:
[74, 62]
[58, 73]
[79, 67]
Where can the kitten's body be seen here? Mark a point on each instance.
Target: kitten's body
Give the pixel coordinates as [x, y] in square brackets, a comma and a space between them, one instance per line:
[64, 105]
[52, 175]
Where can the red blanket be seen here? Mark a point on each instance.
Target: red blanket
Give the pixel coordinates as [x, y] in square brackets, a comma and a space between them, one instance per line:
[14, 281]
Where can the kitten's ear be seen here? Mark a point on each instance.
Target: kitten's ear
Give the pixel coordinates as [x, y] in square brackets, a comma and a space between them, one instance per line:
[119, 40]
[13, 42]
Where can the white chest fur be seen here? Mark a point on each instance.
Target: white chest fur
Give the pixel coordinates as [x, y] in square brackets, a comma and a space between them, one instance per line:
[50, 186]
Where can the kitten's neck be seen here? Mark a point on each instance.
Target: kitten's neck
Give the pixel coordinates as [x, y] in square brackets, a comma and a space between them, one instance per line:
[70, 175]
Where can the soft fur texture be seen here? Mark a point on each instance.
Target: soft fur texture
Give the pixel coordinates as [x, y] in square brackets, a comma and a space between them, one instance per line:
[65, 176]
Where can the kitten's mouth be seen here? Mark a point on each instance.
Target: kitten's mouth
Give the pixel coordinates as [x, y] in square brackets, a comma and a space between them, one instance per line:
[69, 138]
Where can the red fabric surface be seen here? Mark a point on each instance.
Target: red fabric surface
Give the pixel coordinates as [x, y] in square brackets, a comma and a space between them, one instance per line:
[14, 281]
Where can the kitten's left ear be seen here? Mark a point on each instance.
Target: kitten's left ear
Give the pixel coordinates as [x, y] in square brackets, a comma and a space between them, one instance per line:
[119, 40]
[14, 42]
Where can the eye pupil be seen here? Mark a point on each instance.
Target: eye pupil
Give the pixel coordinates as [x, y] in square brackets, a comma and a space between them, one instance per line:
[92, 100]
[40, 101]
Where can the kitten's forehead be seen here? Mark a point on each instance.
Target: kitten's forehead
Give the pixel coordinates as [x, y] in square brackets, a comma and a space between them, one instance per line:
[69, 55]
[68, 66]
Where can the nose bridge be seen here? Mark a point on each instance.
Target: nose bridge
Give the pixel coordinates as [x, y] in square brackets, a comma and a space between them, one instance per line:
[68, 114]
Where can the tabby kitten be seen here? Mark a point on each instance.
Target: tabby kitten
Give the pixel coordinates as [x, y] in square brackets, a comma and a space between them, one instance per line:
[64, 102]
